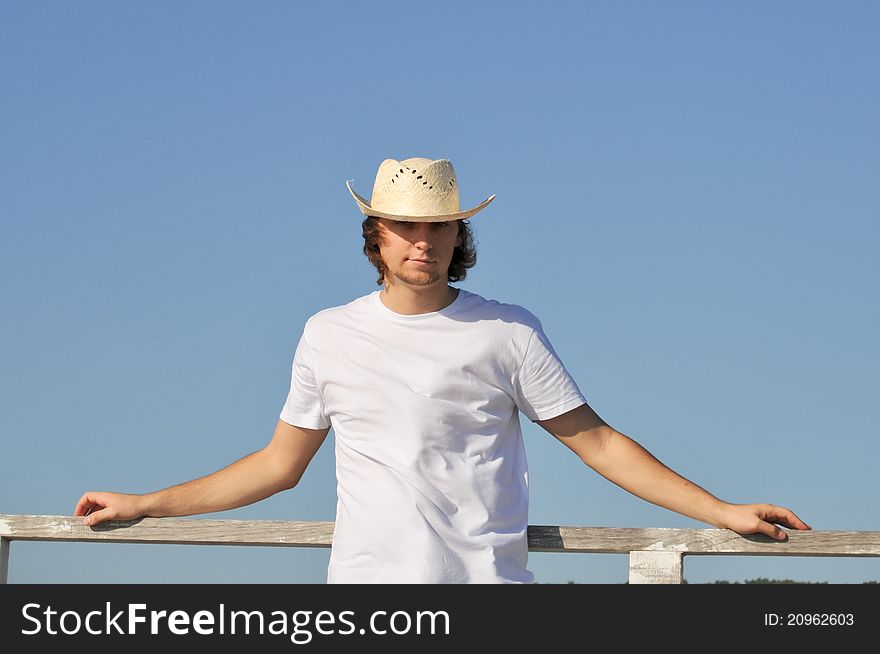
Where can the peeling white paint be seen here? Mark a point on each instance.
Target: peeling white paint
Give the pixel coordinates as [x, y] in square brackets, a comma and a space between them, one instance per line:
[664, 547]
[5, 528]
[60, 526]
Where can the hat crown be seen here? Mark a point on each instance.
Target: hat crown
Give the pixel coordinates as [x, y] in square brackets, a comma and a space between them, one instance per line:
[415, 189]
[416, 186]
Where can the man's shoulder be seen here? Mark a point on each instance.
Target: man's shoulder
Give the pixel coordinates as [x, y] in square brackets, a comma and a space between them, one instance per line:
[340, 312]
[489, 309]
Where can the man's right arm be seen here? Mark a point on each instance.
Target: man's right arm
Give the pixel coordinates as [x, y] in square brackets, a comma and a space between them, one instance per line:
[277, 467]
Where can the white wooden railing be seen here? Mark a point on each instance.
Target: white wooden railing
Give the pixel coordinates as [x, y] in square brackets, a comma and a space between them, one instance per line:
[655, 555]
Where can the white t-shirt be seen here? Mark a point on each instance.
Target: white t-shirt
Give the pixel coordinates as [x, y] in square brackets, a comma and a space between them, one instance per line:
[432, 481]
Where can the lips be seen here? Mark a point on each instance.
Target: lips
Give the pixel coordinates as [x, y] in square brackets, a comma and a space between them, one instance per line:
[423, 260]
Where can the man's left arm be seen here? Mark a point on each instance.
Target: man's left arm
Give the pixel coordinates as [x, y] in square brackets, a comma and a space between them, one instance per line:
[624, 462]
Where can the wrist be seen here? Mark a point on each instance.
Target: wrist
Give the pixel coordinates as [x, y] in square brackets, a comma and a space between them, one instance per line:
[149, 505]
[719, 514]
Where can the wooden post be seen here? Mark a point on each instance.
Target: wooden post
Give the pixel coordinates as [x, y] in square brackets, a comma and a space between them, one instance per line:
[655, 567]
[4, 559]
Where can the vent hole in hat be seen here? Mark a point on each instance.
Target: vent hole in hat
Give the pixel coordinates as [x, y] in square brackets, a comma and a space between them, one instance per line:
[419, 177]
[424, 183]
[430, 187]
[401, 170]
[392, 181]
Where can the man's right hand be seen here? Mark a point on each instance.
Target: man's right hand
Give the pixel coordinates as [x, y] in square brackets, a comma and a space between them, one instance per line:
[96, 507]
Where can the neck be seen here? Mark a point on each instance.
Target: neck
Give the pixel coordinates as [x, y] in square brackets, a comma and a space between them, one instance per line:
[411, 300]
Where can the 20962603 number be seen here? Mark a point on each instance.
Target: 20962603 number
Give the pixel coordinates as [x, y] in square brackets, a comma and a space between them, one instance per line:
[819, 619]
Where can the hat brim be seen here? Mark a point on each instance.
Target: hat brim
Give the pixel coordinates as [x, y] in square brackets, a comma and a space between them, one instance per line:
[367, 210]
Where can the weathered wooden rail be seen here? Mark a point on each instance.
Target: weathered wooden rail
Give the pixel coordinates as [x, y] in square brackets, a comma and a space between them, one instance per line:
[655, 555]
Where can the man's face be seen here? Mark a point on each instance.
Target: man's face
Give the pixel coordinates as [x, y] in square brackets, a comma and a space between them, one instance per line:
[418, 253]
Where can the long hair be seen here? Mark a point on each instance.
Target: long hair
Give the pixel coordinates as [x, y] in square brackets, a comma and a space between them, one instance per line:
[463, 257]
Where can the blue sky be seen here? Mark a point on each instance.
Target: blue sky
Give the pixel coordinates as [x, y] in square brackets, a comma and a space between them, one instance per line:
[687, 197]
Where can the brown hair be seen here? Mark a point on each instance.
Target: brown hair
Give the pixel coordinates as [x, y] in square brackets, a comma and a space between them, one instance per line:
[463, 257]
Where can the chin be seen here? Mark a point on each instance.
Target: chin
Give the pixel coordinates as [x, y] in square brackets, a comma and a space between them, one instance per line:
[423, 279]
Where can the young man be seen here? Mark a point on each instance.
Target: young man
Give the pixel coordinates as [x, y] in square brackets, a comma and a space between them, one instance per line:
[423, 384]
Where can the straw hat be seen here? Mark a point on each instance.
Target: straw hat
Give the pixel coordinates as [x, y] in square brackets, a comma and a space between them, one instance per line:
[416, 190]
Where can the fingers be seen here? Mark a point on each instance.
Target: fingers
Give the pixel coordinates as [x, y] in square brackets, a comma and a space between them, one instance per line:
[93, 508]
[791, 520]
[772, 531]
[781, 515]
[764, 519]
[86, 504]
[97, 517]
[770, 516]
[96, 508]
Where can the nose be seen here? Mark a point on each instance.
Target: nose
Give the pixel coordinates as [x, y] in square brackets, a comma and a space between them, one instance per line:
[421, 236]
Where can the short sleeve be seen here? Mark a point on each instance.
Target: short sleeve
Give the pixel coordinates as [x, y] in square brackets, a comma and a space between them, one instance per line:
[543, 387]
[304, 406]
